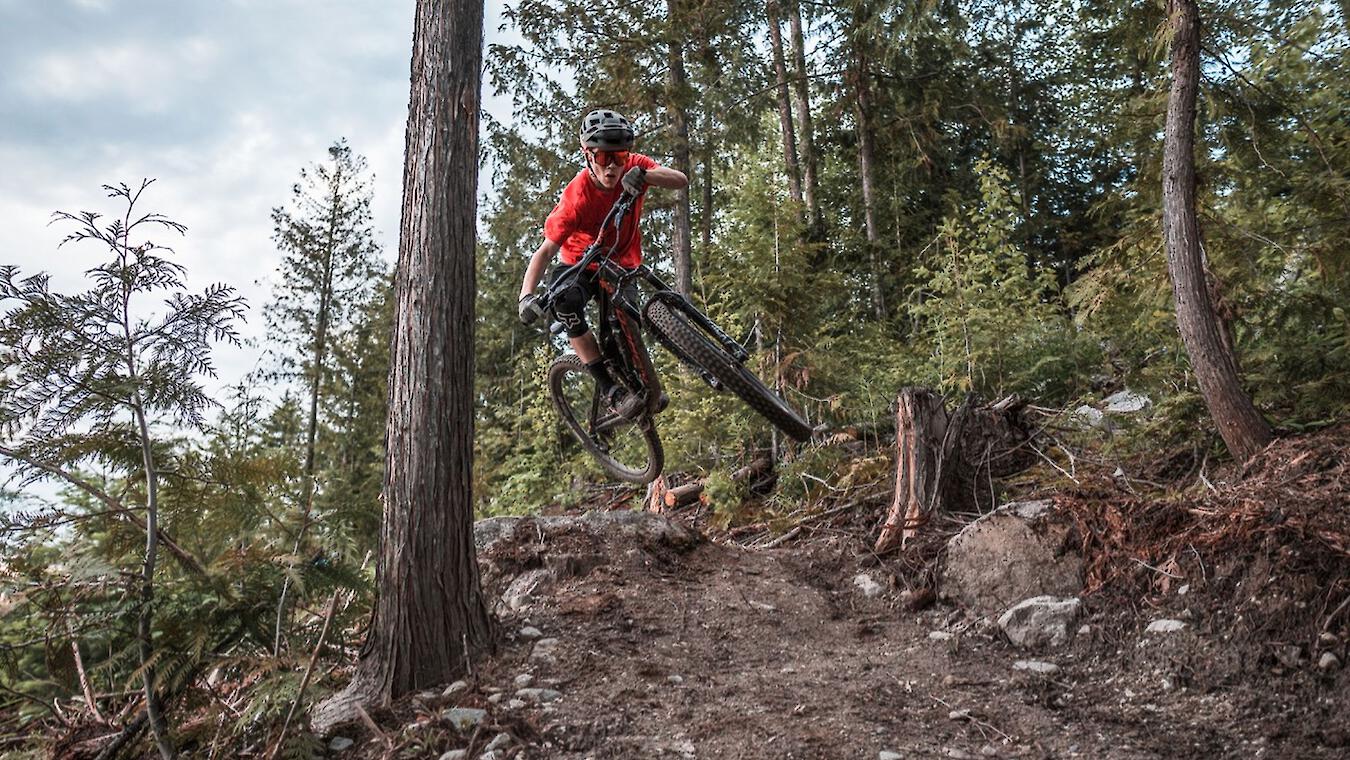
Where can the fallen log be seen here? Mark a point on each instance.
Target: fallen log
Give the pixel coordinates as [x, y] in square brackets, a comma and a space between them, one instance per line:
[680, 496]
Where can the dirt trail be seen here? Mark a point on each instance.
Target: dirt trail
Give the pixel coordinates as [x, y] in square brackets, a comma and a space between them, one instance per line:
[715, 651]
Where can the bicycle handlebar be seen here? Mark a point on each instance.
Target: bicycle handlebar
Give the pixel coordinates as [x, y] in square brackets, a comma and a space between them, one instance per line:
[595, 251]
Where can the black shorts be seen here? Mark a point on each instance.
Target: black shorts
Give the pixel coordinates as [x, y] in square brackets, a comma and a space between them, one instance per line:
[569, 307]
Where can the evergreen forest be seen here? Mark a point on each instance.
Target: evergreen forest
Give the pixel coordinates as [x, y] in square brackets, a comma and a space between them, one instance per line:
[960, 195]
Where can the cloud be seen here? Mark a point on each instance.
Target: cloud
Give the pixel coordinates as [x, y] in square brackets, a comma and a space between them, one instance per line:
[222, 102]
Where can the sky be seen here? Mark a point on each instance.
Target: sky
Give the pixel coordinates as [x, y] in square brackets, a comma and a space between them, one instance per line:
[221, 102]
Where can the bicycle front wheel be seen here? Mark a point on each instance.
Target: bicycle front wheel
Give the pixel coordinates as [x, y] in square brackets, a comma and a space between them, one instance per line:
[675, 328]
[627, 449]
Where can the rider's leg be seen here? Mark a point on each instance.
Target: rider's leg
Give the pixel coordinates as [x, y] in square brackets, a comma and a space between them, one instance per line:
[588, 351]
[570, 308]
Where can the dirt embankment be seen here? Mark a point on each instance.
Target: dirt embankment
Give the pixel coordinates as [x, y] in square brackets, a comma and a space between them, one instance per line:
[628, 635]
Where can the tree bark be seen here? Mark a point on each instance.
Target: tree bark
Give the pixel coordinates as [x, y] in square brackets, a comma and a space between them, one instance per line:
[862, 110]
[802, 102]
[921, 426]
[682, 236]
[790, 164]
[430, 620]
[1241, 426]
[950, 462]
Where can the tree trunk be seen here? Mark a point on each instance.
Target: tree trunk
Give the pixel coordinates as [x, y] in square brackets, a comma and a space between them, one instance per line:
[706, 223]
[681, 242]
[790, 164]
[430, 620]
[802, 101]
[1241, 426]
[862, 110]
[949, 462]
[920, 428]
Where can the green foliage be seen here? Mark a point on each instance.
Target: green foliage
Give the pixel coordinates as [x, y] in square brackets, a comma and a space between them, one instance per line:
[991, 318]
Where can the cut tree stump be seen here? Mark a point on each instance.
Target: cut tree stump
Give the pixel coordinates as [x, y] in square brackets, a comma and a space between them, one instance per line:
[949, 461]
[656, 495]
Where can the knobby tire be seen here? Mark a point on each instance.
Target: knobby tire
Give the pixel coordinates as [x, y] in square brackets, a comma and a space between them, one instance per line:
[576, 421]
[675, 328]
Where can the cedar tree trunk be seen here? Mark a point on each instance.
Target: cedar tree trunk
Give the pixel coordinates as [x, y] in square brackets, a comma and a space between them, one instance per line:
[794, 173]
[681, 243]
[1240, 425]
[802, 100]
[430, 620]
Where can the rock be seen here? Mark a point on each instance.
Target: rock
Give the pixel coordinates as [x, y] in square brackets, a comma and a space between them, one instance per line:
[869, 588]
[1165, 626]
[940, 636]
[489, 755]
[523, 680]
[1329, 662]
[531, 633]
[340, 744]
[1021, 549]
[958, 754]
[1088, 418]
[516, 704]
[454, 754]
[455, 688]
[522, 590]
[888, 755]
[1037, 667]
[642, 526]
[495, 699]
[1040, 621]
[500, 741]
[539, 695]
[677, 680]
[463, 718]
[1126, 402]
[543, 649]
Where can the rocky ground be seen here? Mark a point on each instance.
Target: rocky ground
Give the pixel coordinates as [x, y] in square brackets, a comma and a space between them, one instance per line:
[1097, 622]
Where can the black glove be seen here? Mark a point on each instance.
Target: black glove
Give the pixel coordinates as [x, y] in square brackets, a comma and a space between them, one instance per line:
[530, 310]
[635, 181]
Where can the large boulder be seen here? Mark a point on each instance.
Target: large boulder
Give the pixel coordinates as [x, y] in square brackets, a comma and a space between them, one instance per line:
[1020, 550]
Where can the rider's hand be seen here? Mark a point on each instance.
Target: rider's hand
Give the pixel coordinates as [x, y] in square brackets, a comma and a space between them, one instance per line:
[529, 309]
[635, 181]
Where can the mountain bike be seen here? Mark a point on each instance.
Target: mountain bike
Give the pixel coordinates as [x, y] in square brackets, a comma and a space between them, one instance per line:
[630, 449]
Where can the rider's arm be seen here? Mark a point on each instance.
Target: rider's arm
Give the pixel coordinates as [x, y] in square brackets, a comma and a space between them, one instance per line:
[538, 262]
[664, 176]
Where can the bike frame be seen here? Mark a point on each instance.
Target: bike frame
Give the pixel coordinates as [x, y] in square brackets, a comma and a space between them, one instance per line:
[620, 337]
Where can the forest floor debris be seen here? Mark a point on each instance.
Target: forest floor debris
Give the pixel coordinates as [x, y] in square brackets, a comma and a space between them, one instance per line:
[663, 646]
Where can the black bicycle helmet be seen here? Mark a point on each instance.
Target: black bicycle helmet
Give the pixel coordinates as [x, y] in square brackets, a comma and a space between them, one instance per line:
[603, 129]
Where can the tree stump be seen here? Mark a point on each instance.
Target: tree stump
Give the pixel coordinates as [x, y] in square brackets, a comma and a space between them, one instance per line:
[949, 461]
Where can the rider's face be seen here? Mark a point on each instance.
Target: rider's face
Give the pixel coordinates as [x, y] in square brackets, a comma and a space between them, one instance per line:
[608, 175]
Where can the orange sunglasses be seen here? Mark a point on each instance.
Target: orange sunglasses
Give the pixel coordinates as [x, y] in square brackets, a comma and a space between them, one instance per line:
[604, 158]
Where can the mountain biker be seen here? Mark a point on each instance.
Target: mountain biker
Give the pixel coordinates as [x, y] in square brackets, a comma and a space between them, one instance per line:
[611, 168]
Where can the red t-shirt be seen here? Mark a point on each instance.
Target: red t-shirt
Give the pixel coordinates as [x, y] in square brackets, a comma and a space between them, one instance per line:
[574, 221]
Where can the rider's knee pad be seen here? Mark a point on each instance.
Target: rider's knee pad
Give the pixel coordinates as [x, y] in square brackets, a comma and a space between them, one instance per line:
[570, 309]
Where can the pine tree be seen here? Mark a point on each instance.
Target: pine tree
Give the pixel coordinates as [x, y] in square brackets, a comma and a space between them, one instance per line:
[330, 269]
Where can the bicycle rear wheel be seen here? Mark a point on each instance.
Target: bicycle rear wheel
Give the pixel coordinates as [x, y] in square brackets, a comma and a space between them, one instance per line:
[629, 450]
[675, 329]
